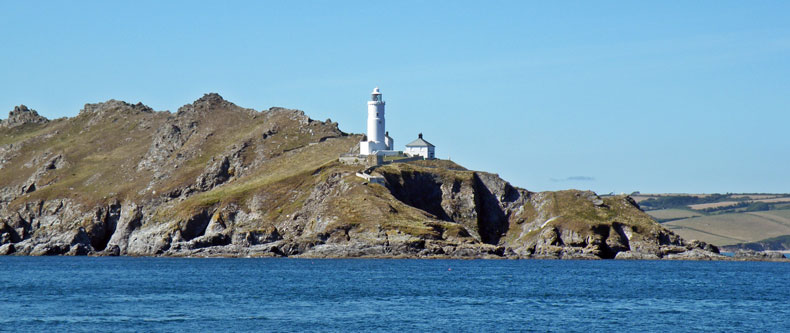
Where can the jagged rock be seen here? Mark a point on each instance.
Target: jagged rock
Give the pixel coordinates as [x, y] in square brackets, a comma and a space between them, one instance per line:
[79, 250]
[751, 254]
[167, 142]
[195, 226]
[480, 202]
[112, 250]
[6, 249]
[216, 174]
[256, 237]
[631, 255]
[46, 163]
[199, 242]
[22, 115]
[110, 111]
[103, 225]
[617, 240]
[49, 249]
[8, 234]
[695, 254]
[130, 220]
[206, 103]
[672, 249]
[108, 107]
[696, 244]
[216, 225]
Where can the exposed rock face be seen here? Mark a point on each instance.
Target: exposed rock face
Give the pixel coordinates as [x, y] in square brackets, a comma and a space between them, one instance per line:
[22, 115]
[215, 179]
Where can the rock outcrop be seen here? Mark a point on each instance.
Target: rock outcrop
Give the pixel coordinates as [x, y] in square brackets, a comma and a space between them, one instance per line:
[22, 115]
[216, 179]
[758, 255]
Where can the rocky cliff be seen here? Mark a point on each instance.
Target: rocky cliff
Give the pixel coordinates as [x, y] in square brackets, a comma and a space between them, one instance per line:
[216, 179]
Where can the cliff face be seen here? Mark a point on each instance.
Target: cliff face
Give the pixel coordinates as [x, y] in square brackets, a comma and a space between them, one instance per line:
[215, 179]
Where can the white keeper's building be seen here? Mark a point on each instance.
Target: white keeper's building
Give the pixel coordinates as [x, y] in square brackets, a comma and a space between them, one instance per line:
[420, 147]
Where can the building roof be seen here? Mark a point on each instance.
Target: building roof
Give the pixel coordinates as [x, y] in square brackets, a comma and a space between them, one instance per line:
[420, 142]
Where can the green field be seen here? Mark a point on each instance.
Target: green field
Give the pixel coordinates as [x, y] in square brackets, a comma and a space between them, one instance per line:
[720, 219]
[733, 228]
[663, 215]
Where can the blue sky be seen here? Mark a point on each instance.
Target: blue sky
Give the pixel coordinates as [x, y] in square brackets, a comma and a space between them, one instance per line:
[612, 96]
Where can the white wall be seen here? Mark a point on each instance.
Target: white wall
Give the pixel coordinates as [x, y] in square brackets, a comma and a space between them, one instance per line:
[376, 122]
[426, 152]
[364, 148]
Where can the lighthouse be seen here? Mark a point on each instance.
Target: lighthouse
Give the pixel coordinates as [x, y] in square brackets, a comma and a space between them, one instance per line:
[378, 140]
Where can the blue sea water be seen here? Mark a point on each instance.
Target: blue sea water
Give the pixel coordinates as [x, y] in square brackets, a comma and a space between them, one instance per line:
[182, 294]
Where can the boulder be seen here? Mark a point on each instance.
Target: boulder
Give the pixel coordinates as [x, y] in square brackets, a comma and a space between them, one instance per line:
[47, 249]
[631, 255]
[695, 254]
[112, 250]
[6, 249]
[79, 249]
[757, 255]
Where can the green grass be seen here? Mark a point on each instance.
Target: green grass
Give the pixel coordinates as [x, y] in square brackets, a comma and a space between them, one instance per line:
[438, 163]
[391, 158]
[25, 132]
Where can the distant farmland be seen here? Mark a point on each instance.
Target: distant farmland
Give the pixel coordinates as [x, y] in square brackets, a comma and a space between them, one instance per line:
[720, 219]
[729, 229]
[670, 214]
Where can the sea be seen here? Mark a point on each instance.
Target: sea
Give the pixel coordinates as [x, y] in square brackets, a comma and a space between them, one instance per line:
[129, 294]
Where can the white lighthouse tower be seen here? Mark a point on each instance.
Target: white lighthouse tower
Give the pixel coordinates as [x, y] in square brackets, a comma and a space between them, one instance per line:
[378, 139]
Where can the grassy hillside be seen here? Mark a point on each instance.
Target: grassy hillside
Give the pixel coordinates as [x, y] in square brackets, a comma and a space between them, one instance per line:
[123, 151]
